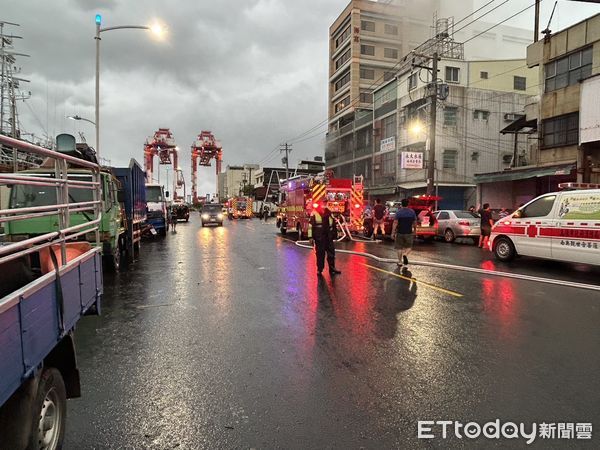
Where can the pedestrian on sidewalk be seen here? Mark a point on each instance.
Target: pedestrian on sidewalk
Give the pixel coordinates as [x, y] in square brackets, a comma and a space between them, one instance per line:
[322, 232]
[378, 216]
[404, 230]
[486, 225]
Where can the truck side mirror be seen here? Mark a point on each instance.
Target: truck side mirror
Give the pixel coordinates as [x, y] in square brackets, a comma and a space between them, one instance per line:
[167, 194]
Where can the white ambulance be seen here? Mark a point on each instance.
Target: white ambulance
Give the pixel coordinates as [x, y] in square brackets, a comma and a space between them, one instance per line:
[562, 226]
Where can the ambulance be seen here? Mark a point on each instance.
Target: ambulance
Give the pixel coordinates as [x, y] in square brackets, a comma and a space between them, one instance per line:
[561, 226]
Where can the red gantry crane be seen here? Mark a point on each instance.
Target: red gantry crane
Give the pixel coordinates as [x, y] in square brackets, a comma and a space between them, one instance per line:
[162, 144]
[205, 148]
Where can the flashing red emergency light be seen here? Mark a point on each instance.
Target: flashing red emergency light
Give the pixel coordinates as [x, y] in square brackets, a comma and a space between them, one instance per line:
[315, 205]
[357, 206]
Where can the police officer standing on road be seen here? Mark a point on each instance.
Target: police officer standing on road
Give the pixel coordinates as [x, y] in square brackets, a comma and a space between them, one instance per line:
[322, 231]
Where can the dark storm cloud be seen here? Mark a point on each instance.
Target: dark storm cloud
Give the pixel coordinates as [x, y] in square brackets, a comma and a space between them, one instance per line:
[253, 72]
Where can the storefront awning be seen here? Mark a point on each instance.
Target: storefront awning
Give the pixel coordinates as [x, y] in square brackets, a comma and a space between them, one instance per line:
[422, 184]
[521, 126]
[525, 173]
[381, 190]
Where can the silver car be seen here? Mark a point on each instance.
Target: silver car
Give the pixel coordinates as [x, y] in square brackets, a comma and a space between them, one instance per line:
[452, 224]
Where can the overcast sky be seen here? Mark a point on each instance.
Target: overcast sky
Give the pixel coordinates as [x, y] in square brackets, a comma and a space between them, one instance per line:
[252, 71]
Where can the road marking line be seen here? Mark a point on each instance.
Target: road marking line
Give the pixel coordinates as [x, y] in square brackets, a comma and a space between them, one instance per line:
[158, 305]
[414, 280]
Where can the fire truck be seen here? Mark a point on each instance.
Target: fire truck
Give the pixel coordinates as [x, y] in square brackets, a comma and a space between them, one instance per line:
[302, 194]
[239, 208]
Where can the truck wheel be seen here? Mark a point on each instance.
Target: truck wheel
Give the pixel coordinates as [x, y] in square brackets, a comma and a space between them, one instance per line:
[504, 249]
[49, 412]
[449, 235]
[116, 257]
[112, 262]
[283, 230]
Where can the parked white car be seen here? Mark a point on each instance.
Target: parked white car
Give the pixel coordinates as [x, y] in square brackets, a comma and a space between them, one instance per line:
[562, 226]
[452, 224]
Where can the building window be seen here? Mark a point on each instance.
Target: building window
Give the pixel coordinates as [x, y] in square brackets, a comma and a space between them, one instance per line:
[483, 75]
[412, 81]
[480, 114]
[367, 74]
[342, 59]
[367, 25]
[366, 97]
[569, 70]
[391, 29]
[388, 164]
[342, 104]
[519, 83]
[452, 74]
[450, 113]
[363, 139]
[450, 159]
[342, 37]
[368, 50]
[563, 130]
[390, 53]
[388, 128]
[343, 81]
[387, 76]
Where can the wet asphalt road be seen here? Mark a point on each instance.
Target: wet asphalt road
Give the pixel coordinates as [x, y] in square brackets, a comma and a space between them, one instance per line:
[226, 338]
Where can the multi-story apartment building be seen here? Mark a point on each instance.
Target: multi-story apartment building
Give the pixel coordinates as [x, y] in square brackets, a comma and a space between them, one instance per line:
[565, 119]
[234, 179]
[483, 97]
[368, 45]
[568, 114]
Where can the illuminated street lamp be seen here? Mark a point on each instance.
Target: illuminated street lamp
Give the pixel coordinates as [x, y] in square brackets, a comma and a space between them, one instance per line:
[76, 117]
[156, 29]
[416, 127]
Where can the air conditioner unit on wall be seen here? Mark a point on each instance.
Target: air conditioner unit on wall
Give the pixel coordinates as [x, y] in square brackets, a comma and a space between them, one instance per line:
[511, 117]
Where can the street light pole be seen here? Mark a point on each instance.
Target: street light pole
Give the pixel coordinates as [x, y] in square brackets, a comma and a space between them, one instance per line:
[97, 112]
[432, 129]
[156, 29]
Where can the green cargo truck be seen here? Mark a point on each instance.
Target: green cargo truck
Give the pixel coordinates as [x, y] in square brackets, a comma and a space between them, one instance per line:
[112, 226]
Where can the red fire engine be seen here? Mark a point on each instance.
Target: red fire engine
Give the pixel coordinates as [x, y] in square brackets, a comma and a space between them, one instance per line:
[343, 197]
[239, 208]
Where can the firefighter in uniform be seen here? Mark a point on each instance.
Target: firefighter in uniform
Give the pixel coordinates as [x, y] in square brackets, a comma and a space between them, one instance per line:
[322, 231]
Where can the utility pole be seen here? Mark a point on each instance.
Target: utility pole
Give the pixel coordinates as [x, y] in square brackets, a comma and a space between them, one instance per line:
[432, 126]
[536, 25]
[287, 149]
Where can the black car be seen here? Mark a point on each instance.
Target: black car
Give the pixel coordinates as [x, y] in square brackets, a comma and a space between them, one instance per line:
[212, 214]
[181, 211]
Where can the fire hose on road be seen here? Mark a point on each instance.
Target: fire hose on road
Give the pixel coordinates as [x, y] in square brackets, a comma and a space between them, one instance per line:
[495, 273]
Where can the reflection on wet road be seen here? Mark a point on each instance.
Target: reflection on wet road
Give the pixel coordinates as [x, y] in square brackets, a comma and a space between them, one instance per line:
[226, 338]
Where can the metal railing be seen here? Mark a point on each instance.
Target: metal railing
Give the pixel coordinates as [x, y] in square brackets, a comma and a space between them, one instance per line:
[54, 173]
